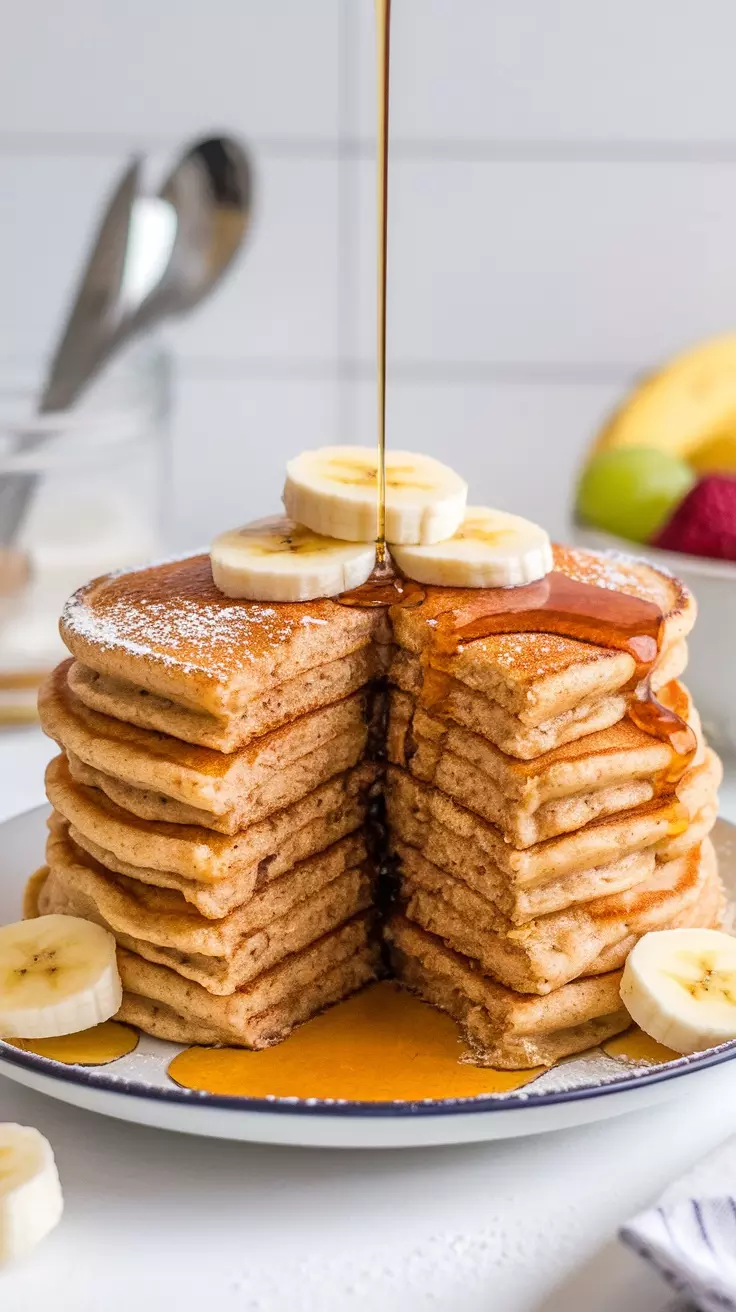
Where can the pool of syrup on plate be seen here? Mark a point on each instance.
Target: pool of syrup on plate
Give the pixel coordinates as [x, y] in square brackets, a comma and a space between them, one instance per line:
[381, 1045]
[96, 1047]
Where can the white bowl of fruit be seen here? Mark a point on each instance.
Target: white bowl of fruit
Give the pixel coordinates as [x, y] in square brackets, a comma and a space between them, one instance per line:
[660, 481]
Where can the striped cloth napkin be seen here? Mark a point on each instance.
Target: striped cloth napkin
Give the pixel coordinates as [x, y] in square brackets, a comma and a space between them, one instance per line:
[689, 1236]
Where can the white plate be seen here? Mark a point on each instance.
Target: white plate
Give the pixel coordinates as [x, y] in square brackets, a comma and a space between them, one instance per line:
[138, 1088]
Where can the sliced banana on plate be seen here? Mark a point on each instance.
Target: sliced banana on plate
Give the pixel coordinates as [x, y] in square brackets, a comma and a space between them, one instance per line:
[679, 985]
[275, 559]
[30, 1194]
[58, 975]
[334, 491]
[491, 549]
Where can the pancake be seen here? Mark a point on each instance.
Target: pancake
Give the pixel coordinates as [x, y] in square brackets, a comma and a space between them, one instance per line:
[231, 1015]
[163, 1003]
[214, 901]
[282, 788]
[415, 810]
[613, 770]
[200, 777]
[510, 732]
[73, 888]
[506, 1030]
[546, 953]
[134, 705]
[163, 916]
[255, 1032]
[197, 854]
[167, 629]
[537, 676]
[515, 1031]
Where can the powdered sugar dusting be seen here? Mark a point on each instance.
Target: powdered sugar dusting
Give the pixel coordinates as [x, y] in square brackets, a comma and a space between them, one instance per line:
[539, 655]
[536, 655]
[173, 614]
[615, 571]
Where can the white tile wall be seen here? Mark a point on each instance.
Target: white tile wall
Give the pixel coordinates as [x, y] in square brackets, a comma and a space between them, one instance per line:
[47, 215]
[548, 262]
[517, 445]
[563, 196]
[280, 304]
[232, 438]
[167, 68]
[490, 73]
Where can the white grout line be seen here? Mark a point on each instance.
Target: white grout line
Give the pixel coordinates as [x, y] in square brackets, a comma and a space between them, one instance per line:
[562, 151]
[346, 145]
[423, 372]
[95, 146]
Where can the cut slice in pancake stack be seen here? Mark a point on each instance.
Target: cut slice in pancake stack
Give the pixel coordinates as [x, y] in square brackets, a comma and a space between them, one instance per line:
[211, 800]
[534, 832]
[224, 765]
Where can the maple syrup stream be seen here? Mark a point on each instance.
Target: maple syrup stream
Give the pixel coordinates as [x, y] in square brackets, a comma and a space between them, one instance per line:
[383, 63]
[557, 604]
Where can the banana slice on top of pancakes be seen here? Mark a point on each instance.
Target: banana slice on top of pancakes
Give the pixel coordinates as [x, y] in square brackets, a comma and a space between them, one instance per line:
[325, 544]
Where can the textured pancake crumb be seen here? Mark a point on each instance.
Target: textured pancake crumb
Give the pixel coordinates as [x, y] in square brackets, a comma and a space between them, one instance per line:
[522, 652]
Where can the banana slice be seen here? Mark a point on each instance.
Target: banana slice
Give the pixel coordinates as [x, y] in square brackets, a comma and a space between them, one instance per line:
[335, 491]
[679, 985]
[275, 559]
[31, 1203]
[58, 975]
[490, 549]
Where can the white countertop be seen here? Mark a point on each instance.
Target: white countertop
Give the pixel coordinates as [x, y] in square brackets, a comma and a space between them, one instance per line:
[162, 1220]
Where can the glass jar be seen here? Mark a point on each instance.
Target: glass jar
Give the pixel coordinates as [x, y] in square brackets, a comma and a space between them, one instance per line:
[94, 504]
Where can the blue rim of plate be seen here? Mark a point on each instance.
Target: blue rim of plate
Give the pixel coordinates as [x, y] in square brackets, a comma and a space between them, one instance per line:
[91, 1077]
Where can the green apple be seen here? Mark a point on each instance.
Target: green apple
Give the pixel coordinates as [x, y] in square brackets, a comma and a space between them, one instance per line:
[632, 491]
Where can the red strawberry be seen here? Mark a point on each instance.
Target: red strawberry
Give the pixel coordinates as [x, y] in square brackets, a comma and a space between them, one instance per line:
[704, 524]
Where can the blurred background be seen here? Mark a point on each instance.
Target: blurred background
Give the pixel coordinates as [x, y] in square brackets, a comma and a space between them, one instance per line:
[563, 191]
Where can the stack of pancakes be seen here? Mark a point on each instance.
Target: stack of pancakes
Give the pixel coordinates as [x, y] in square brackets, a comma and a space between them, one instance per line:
[224, 767]
[211, 802]
[535, 833]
